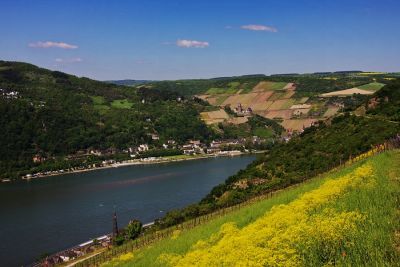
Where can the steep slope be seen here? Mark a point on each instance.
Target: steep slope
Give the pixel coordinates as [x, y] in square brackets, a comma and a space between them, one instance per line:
[346, 218]
[318, 149]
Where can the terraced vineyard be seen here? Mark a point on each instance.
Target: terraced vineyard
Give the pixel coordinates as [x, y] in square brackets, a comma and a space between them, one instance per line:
[272, 100]
[280, 101]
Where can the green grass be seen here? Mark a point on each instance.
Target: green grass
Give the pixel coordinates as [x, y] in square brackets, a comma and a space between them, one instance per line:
[99, 104]
[263, 132]
[372, 86]
[374, 247]
[276, 85]
[374, 244]
[98, 100]
[231, 88]
[247, 87]
[122, 104]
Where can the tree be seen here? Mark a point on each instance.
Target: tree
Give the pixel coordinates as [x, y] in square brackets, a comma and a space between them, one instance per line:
[133, 229]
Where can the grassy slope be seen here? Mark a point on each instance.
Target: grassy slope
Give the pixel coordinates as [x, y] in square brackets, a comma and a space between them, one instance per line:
[372, 86]
[375, 246]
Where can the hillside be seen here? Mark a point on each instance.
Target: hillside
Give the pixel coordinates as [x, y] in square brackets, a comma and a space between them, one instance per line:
[128, 82]
[52, 114]
[348, 217]
[316, 150]
[295, 101]
[54, 121]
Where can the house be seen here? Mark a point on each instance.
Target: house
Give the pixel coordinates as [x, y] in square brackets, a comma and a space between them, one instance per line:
[195, 143]
[194, 147]
[95, 152]
[215, 144]
[189, 151]
[301, 106]
[143, 147]
[241, 111]
[38, 158]
[213, 150]
[155, 137]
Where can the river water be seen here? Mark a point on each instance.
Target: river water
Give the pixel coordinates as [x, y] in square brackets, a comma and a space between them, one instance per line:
[54, 213]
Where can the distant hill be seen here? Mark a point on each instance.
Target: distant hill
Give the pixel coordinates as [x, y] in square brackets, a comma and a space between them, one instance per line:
[128, 82]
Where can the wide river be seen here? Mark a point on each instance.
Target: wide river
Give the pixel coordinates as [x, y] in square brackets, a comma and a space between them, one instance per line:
[51, 214]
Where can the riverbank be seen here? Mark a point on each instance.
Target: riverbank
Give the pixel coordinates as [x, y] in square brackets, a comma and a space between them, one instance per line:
[143, 161]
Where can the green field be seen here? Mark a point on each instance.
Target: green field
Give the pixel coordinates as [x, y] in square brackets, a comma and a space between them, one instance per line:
[276, 85]
[99, 104]
[98, 100]
[369, 201]
[263, 132]
[232, 88]
[221, 99]
[122, 104]
[372, 86]
[246, 87]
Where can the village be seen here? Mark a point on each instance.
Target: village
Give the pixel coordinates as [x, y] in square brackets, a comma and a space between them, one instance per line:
[149, 154]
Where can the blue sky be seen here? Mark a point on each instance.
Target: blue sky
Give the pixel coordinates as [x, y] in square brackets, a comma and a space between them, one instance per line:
[200, 39]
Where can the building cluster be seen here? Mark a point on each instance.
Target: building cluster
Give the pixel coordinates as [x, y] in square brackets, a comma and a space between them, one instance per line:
[9, 94]
[241, 111]
[75, 252]
[107, 156]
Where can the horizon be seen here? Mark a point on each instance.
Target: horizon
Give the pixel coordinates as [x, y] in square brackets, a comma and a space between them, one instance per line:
[185, 40]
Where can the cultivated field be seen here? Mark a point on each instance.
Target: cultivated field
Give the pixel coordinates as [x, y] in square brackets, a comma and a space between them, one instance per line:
[297, 124]
[348, 92]
[277, 100]
[371, 86]
[214, 116]
[267, 85]
[282, 114]
[331, 112]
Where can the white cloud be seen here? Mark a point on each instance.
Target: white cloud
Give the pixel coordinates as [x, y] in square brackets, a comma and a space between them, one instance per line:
[49, 44]
[254, 27]
[192, 43]
[68, 60]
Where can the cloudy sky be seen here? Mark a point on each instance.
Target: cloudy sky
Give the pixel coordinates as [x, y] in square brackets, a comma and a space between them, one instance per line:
[200, 39]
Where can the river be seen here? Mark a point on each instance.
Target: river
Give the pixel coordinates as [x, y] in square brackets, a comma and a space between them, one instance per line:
[50, 214]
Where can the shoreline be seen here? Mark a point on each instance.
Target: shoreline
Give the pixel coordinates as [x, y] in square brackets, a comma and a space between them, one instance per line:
[150, 161]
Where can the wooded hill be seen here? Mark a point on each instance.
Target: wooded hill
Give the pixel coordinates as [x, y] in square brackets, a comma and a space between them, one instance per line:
[52, 114]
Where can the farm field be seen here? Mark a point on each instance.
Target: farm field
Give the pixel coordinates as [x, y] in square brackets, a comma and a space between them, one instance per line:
[348, 92]
[297, 124]
[279, 100]
[351, 213]
[283, 114]
[371, 86]
[267, 86]
[330, 112]
[214, 116]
